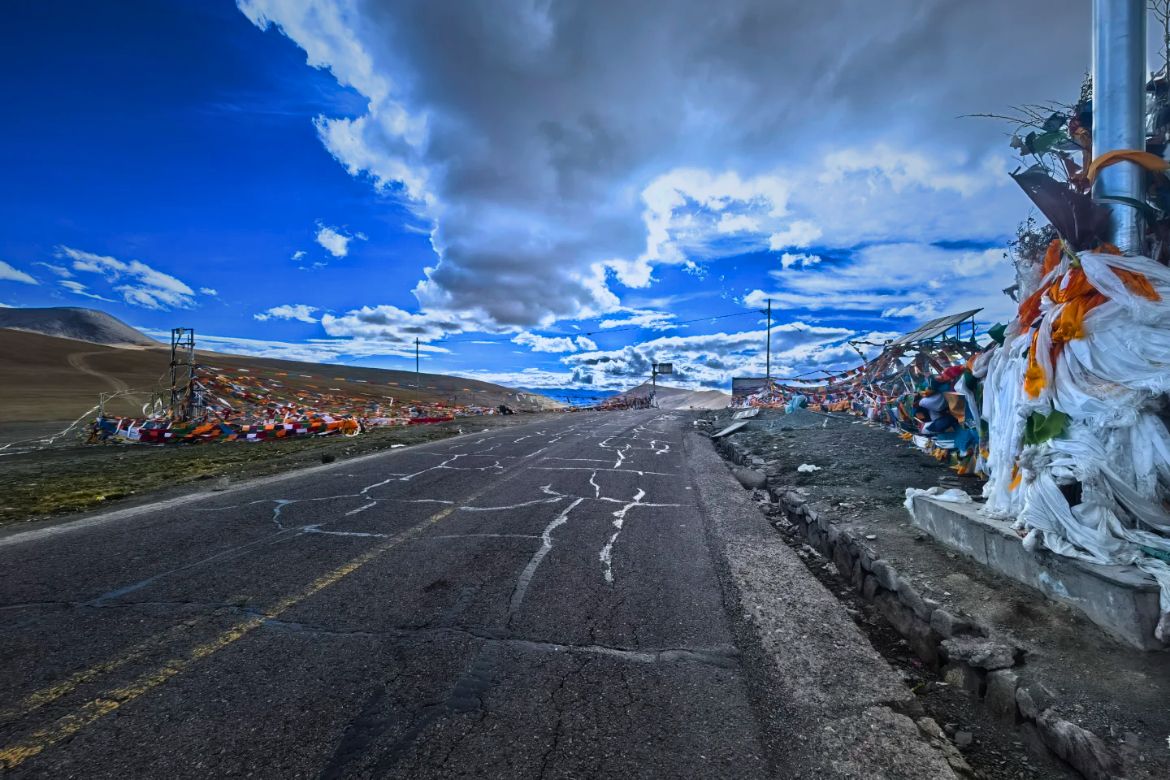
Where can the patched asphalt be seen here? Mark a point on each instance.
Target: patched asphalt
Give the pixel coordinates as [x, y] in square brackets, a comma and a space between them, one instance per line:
[540, 601]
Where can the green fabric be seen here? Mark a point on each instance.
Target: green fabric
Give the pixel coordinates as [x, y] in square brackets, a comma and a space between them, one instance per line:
[997, 332]
[1161, 555]
[1039, 428]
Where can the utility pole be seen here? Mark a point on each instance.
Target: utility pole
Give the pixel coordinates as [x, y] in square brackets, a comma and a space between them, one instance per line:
[1119, 69]
[416, 377]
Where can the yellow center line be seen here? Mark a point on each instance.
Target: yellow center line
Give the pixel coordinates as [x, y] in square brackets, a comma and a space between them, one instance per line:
[14, 755]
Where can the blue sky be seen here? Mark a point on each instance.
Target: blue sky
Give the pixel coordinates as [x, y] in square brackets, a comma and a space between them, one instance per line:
[540, 192]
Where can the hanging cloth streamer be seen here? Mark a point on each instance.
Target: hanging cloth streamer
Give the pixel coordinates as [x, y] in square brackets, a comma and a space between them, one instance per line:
[1151, 162]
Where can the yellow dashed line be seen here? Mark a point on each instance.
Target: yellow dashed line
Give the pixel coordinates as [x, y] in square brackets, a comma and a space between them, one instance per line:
[14, 755]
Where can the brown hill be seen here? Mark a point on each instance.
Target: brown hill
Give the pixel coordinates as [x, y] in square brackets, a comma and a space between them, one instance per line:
[681, 398]
[46, 378]
[75, 323]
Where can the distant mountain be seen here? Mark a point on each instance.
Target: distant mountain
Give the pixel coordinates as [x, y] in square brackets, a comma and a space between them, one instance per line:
[680, 398]
[573, 396]
[68, 322]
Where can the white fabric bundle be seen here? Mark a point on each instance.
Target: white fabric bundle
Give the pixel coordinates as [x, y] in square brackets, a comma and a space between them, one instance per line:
[1111, 383]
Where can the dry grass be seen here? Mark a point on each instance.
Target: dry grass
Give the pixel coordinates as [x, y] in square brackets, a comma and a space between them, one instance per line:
[74, 478]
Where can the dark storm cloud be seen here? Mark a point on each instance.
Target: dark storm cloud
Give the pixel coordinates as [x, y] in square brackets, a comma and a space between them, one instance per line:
[529, 132]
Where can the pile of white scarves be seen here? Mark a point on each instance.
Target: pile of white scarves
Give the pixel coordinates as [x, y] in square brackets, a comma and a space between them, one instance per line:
[1112, 384]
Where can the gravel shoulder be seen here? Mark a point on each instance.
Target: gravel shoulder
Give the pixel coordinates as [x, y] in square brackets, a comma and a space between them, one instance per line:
[860, 479]
[833, 707]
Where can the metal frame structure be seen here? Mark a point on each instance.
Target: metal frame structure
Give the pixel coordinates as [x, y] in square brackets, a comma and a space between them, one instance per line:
[182, 373]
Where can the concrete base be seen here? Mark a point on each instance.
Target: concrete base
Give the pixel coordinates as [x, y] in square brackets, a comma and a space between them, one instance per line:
[1122, 600]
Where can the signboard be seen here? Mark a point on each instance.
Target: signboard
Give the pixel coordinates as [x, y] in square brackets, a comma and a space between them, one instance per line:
[666, 368]
[743, 386]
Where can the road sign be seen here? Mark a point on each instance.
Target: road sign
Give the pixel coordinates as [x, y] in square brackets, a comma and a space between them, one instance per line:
[666, 368]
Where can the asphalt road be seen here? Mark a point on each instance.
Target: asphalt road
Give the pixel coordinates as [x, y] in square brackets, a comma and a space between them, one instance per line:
[540, 601]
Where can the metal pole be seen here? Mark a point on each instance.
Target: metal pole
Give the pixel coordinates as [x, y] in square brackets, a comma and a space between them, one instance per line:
[1119, 68]
[768, 364]
[416, 377]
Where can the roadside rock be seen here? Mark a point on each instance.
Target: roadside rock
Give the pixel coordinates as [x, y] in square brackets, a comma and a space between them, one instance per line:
[750, 478]
[1033, 699]
[1001, 694]
[979, 652]
[948, 625]
[1081, 748]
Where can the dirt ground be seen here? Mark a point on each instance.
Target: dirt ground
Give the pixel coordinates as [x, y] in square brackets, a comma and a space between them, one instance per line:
[72, 477]
[1117, 692]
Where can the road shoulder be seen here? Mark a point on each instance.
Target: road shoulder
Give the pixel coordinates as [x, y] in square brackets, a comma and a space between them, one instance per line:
[828, 703]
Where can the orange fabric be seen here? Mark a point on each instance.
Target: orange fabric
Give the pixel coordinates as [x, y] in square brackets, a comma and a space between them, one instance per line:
[1138, 284]
[1151, 162]
[1034, 379]
[1051, 256]
[1071, 322]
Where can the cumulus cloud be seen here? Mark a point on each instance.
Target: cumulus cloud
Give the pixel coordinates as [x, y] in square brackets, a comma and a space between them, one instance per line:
[708, 360]
[288, 311]
[10, 274]
[920, 310]
[560, 149]
[137, 283]
[800, 233]
[334, 240]
[788, 260]
[391, 324]
[210, 291]
[299, 254]
[899, 279]
[538, 343]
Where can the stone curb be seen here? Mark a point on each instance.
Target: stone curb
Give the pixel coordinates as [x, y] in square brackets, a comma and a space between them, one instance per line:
[957, 645]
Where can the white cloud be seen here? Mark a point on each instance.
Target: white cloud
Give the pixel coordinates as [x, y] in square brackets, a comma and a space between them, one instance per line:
[140, 284]
[672, 226]
[334, 240]
[392, 324]
[899, 277]
[900, 170]
[77, 288]
[299, 254]
[210, 291]
[528, 377]
[737, 223]
[10, 274]
[58, 270]
[538, 343]
[920, 310]
[709, 360]
[800, 233]
[803, 261]
[641, 318]
[288, 311]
